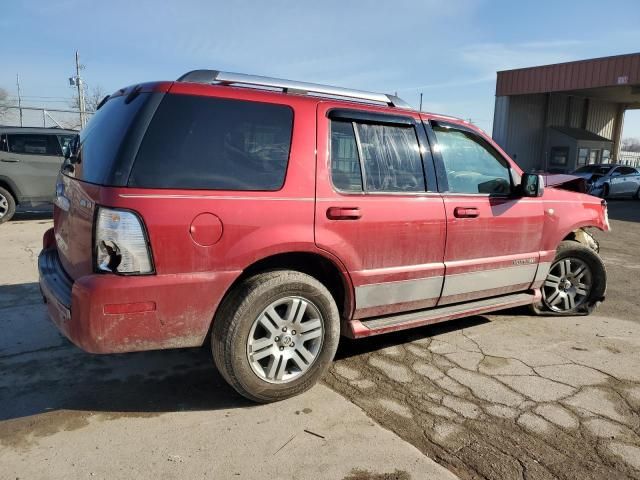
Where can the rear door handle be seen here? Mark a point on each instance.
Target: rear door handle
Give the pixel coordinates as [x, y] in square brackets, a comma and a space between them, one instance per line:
[9, 160]
[466, 212]
[343, 213]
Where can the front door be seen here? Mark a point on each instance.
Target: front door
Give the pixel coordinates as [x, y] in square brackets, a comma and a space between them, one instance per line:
[377, 208]
[493, 237]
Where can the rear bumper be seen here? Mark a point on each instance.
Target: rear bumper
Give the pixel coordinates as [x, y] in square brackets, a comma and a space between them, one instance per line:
[113, 314]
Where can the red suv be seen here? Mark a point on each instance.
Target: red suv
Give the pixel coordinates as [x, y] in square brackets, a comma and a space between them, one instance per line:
[273, 216]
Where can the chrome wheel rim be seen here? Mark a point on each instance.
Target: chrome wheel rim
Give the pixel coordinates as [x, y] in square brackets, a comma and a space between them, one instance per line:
[285, 340]
[567, 285]
[4, 205]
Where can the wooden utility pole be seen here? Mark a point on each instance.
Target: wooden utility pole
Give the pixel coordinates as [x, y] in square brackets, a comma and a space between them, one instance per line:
[80, 87]
[19, 98]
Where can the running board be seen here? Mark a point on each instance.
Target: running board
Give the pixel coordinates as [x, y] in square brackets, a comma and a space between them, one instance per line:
[391, 323]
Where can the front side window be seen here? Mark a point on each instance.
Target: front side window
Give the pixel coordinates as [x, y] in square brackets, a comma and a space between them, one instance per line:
[32, 144]
[388, 154]
[470, 164]
[215, 143]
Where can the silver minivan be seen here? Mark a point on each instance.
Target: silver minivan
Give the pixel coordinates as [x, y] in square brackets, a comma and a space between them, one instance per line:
[30, 160]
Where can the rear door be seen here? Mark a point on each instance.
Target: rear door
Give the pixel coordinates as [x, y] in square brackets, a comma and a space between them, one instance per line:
[493, 237]
[377, 208]
[37, 158]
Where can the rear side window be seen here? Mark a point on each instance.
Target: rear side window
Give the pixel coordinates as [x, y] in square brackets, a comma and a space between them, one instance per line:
[214, 143]
[388, 154]
[33, 144]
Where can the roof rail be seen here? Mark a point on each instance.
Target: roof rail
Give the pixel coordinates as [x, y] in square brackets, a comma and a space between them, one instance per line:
[228, 78]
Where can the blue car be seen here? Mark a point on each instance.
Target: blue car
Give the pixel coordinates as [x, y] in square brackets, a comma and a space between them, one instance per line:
[610, 181]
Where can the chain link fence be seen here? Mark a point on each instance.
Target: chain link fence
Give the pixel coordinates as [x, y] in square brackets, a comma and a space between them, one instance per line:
[40, 117]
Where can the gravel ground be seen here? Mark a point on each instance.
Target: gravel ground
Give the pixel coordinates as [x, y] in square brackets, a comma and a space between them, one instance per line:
[513, 396]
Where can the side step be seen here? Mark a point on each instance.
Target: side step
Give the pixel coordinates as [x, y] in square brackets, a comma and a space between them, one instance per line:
[391, 323]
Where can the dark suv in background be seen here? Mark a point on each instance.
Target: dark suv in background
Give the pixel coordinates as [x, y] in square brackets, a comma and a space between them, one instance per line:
[30, 160]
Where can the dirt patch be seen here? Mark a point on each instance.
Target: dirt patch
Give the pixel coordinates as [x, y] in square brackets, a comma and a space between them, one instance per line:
[358, 474]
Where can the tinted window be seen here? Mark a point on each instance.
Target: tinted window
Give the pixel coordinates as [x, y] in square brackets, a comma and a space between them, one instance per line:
[214, 143]
[101, 139]
[391, 158]
[471, 165]
[33, 144]
[345, 163]
[627, 171]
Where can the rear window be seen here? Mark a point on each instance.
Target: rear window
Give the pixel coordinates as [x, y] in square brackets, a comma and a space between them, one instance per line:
[214, 143]
[103, 137]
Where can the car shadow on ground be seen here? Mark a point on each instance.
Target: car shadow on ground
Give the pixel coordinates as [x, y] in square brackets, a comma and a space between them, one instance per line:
[350, 348]
[43, 372]
[44, 212]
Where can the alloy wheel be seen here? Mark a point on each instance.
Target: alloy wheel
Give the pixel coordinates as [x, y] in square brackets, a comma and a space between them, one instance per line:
[567, 285]
[4, 205]
[285, 340]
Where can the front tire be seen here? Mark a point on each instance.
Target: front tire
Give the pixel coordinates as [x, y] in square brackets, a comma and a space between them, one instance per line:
[576, 282]
[275, 335]
[7, 205]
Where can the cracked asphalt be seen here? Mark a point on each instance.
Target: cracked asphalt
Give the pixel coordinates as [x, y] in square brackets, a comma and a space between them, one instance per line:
[514, 396]
[502, 396]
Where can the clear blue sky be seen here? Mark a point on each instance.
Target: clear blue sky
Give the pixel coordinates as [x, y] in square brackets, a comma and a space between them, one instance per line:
[449, 50]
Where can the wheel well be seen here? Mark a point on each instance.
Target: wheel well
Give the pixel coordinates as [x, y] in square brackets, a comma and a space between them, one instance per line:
[7, 186]
[580, 235]
[317, 266]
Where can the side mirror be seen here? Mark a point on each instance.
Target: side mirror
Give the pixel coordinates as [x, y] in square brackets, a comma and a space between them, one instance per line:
[532, 185]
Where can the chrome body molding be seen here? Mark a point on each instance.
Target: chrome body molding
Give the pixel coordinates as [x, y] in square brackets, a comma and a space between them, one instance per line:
[404, 291]
[543, 271]
[470, 282]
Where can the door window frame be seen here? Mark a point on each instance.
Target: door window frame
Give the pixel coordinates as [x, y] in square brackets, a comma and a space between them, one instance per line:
[354, 116]
[441, 172]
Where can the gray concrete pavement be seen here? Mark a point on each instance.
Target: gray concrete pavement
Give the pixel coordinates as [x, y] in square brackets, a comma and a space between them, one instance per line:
[514, 396]
[497, 396]
[68, 414]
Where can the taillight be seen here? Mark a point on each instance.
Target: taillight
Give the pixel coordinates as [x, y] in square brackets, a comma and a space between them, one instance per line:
[121, 243]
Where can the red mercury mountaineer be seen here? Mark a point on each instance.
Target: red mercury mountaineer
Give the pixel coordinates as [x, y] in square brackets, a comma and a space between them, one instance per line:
[272, 216]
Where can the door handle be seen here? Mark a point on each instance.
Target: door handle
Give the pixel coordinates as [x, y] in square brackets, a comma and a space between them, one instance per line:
[9, 160]
[343, 213]
[466, 212]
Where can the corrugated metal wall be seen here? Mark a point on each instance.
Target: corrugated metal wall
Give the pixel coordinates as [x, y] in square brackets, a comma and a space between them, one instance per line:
[525, 132]
[601, 118]
[519, 122]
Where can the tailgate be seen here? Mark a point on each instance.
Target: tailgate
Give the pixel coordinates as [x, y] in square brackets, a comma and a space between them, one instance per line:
[73, 225]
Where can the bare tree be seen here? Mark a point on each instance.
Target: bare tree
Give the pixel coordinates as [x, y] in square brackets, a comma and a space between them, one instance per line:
[5, 102]
[631, 144]
[92, 98]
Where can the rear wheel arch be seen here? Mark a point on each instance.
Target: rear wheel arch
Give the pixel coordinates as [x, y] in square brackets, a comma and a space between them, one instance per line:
[10, 187]
[326, 271]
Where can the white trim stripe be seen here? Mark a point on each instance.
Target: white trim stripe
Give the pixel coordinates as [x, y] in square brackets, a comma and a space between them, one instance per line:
[461, 283]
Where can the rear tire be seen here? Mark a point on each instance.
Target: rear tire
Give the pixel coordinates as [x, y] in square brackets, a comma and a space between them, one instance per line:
[254, 335]
[7, 205]
[576, 283]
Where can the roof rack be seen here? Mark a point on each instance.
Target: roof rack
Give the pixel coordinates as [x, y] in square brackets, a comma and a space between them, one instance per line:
[287, 86]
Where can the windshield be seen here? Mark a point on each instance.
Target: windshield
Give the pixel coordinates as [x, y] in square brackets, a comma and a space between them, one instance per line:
[598, 169]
